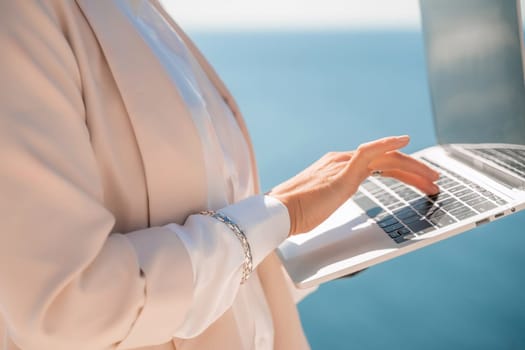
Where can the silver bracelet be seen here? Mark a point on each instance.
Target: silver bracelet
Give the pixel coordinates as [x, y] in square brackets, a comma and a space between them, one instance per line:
[247, 266]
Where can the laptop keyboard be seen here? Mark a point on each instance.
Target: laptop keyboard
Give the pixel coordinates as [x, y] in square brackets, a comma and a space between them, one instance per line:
[509, 158]
[405, 213]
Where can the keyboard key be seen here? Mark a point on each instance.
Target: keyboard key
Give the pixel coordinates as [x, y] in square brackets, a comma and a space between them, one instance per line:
[387, 222]
[400, 239]
[442, 221]
[440, 197]
[420, 226]
[386, 199]
[453, 206]
[464, 192]
[419, 201]
[443, 179]
[405, 213]
[393, 227]
[484, 206]
[394, 234]
[384, 196]
[462, 213]
[376, 191]
[403, 231]
[407, 194]
[446, 202]
[500, 201]
[450, 184]
[387, 181]
[369, 185]
[411, 219]
[396, 206]
[475, 201]
[389, 202]
[457, 189]
[373, 212]
[470, 196]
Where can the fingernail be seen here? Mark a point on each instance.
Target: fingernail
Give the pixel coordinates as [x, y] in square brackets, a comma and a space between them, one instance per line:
[435, 175]
[434, 188]
[403, 138]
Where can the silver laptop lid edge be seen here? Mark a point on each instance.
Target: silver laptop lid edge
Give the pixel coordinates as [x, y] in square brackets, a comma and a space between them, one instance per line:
[475, 69]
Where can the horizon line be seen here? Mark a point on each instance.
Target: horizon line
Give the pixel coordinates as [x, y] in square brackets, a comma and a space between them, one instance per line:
[298, 26]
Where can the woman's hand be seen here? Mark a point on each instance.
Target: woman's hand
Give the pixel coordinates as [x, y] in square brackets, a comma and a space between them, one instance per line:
[316, 192]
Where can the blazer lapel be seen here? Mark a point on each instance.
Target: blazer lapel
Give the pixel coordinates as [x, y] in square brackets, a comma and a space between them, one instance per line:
[219, 85]
[168, 140]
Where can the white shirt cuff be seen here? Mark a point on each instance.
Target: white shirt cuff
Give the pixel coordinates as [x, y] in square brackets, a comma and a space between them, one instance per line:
[265, 222]
[217, 255]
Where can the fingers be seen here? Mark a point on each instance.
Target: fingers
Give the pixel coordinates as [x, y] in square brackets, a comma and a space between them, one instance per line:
[397, 160]
[383, 154]
[371, 150]
[424, 184]
[358, 167]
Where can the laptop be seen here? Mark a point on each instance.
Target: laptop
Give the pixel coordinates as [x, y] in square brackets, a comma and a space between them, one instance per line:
[476, 78]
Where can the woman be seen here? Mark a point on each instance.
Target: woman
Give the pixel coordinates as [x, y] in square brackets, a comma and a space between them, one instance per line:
[116, 135]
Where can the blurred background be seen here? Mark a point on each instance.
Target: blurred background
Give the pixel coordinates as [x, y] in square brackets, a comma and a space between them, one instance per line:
[316, 76]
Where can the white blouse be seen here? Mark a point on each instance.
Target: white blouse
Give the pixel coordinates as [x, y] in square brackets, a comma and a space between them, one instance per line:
[216, 254]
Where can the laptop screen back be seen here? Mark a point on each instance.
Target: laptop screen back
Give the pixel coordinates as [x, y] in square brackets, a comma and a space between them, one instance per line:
[475, 70]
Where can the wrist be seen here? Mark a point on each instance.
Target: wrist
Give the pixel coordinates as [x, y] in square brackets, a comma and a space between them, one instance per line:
[286, 203]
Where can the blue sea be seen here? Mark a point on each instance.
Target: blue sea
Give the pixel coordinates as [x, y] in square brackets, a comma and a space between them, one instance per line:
[306, 93]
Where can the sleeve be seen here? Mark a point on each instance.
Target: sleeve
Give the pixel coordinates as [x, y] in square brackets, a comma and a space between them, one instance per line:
[217, 256]
[66, 280]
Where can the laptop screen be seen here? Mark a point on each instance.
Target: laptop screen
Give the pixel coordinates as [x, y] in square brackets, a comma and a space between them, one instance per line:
[475, 70]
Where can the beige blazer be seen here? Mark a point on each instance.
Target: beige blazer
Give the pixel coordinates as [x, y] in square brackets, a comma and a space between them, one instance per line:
[95, 140]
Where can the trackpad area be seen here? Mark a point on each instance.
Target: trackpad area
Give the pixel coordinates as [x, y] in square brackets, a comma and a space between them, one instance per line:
[340, 245]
